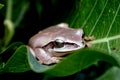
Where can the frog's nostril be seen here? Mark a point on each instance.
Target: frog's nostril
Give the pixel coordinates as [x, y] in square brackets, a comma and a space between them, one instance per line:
[83, 42]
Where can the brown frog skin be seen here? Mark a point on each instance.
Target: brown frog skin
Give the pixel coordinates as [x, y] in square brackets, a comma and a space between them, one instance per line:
[49, 45]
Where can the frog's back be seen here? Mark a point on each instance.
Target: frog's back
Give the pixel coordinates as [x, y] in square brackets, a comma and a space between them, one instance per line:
[50, 34]
[45, 36]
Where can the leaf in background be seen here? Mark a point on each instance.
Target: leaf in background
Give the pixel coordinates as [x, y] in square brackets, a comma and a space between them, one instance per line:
[38, 7]
[17, 62]
[19, 9]
[6, 54]
[100, 18]
[12, 47]
[111, 74]
[1, 5]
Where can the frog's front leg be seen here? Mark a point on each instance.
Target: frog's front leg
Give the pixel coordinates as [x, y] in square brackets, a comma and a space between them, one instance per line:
[87, 39]
[44, 57]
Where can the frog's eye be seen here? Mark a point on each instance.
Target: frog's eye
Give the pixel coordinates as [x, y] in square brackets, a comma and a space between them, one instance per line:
[83, 35]
[59, 43]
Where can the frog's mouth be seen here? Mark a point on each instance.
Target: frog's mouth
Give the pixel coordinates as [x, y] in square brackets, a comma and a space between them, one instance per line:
[68, 47]
[63, 47]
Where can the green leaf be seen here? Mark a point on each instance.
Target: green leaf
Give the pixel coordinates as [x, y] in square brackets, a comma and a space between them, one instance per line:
[1, 6]
[111, 74]
[79, 61]
[17, 62]
[71, 64]
[6, 53]
[12, 47]
[100, 18]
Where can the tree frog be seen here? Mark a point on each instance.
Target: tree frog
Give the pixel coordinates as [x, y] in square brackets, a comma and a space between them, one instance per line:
[50, 45]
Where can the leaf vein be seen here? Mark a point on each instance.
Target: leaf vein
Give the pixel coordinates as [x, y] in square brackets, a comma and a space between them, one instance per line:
[113, 20]
[97, 19]
[89, 14]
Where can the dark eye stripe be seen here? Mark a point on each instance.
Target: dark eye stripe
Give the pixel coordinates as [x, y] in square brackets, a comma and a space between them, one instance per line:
[59, 44]
[83, 35]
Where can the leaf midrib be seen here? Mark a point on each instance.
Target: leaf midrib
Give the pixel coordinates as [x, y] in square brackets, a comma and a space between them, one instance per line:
[106, 39]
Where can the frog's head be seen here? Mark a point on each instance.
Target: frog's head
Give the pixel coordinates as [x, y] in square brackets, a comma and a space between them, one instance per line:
[66, 39]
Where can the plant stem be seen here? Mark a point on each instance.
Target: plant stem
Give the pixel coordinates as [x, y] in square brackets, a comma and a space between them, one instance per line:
[9, 31]
[9, 9]
[9, 26]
